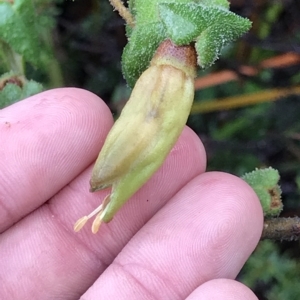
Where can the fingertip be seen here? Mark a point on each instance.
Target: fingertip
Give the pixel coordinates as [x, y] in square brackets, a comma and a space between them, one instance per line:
[240, 196]
[225, 289]
[235, 212]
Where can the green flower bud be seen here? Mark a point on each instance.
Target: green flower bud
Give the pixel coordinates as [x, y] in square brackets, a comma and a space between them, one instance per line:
[265, 184]
[146, 130]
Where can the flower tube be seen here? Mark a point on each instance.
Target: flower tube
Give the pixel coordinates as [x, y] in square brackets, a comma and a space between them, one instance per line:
[147, 129]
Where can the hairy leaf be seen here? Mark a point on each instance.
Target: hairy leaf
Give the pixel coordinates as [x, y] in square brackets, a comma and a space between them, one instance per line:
[12, 93]
[265, 184]
[137, 54]
[207, 23]
[211, 27]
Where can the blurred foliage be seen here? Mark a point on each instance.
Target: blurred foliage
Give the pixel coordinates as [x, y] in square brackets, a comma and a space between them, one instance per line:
[272, 273]
[12, 93]
[26, 48]
[83, 41]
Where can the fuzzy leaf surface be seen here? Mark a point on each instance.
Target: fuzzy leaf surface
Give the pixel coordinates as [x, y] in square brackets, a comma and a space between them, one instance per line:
[211, 27]
[207, 23]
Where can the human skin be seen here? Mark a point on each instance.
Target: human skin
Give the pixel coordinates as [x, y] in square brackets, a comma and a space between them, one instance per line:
[174, 239]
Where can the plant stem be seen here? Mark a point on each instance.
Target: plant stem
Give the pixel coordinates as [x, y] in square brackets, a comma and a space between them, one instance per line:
[123, 12]
[14, 61]
[54, 69]
[281, 229]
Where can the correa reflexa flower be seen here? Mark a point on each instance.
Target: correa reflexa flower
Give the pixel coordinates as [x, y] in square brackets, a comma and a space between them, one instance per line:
[146, 130]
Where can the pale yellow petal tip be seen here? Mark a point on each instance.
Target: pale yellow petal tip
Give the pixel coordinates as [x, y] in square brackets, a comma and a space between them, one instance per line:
[80, 223]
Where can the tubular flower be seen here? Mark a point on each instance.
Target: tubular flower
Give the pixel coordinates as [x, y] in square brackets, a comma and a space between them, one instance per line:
[146, 130]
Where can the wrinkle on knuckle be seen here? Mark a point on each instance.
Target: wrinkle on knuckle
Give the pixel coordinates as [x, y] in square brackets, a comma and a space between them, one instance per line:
[7, 216]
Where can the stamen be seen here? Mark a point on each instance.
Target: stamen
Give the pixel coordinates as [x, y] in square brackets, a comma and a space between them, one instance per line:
[98, 220]
[97, 210]
[80, 223]
[96, 224]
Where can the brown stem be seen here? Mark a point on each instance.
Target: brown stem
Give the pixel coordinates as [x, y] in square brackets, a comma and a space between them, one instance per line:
[123, 12]
[281, 229]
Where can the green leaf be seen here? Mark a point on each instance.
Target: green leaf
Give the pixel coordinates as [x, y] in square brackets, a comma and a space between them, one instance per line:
[223, 3]
[137, 54]
[12, 93]
[31, 88]
[210, 43]
[148, 11]
[211, 27]
[9, 94]
[208, 23]
[265, 184]
[18, 29]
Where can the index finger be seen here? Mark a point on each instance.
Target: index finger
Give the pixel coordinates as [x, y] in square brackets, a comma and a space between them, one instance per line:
[46, 141]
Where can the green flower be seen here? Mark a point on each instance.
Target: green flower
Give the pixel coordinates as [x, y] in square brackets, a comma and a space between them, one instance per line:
[146, 130]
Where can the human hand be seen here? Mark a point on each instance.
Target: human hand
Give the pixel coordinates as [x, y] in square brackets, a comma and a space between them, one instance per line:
[182, 232]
